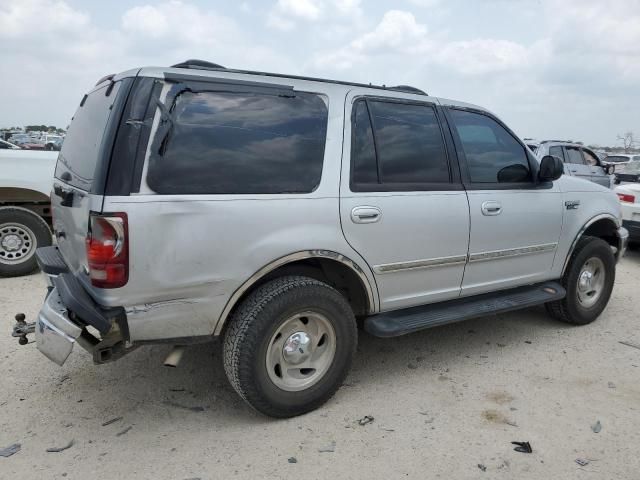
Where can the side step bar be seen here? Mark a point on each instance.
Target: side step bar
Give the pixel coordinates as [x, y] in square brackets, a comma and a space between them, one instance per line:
[409, 320]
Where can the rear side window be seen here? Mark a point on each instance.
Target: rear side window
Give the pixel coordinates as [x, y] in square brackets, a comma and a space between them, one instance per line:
[81, 148]
[235, 143]
[574, 155]
[493, 154]
[396, 146]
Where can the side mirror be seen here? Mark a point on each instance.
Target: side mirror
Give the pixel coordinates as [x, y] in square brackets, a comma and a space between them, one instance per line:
[609, 168]
[551, 168]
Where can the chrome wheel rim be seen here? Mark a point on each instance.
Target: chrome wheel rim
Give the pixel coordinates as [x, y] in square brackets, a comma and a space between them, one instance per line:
[591, 280]
[17, 243]
[301, 351]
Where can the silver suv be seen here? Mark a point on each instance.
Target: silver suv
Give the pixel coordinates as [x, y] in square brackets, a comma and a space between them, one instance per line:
[278, 213]
[579, 161]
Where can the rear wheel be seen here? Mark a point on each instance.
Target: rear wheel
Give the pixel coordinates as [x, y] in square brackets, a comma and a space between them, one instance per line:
[21, 233]
[289, 346]
[589, 280]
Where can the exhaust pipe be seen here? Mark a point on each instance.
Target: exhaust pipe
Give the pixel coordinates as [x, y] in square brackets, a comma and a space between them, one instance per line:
[174, 357]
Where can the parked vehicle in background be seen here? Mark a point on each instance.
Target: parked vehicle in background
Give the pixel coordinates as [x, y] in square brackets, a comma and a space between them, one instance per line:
[4, 145]
[26, 179]
[273, 211]
[629, 195]
[620, 160]
[33, 144]
[19, 138]
[53, 142]
[630, 173]
[579, 161]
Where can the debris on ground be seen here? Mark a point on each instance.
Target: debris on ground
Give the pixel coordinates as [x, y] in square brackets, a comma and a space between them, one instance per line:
[611, 385]
[61, 449]
[582, 462]
[630, 344]
[10, 450]
[596, 427]
[184, 407]
[366, 419]
[113, 420]
[482, 467]
[292, 460]
[411, 366]
[119, 434]
[523, 447]
[527, 342]
[176, 389]
[329, 448]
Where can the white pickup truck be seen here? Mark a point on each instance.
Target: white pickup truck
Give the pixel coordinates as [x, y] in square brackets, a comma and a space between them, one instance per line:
[26, 179]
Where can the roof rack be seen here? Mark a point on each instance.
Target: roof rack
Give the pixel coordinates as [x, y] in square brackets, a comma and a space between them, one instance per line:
[204, 65]
[408, 89]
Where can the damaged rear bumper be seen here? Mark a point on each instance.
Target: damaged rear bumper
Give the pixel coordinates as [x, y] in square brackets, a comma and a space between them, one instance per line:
[55, 332]
[69, 315]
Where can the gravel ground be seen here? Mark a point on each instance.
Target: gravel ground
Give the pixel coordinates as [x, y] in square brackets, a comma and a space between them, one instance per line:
[446, 403]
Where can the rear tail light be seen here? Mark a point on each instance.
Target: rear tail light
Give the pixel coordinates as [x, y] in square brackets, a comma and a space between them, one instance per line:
[108, 250]
[625, 197]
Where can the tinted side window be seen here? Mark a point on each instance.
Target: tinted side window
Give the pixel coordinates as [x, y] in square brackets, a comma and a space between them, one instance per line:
[590, 158]
[224, 142]
[364, 164]
[574, 155]
[410, 144]
[493, 154]
[81, 148]
[556, 152]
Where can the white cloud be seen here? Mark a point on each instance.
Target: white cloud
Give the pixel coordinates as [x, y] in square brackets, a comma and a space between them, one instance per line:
[288, 14]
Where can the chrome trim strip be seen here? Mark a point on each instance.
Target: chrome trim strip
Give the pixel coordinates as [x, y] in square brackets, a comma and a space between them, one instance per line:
[512, 252]
[418, 264]
[292, 258]
[616, 221]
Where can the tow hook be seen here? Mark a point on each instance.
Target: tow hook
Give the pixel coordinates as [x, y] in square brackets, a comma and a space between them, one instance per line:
[21, 329]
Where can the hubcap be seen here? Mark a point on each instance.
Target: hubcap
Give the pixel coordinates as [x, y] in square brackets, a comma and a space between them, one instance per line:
[17, 243]
[591, 282]
[301, 351]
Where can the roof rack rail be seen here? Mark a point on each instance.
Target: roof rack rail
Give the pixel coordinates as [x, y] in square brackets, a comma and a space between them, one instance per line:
[204, 65]
[195, 63]
[408, 89]
[105, 78]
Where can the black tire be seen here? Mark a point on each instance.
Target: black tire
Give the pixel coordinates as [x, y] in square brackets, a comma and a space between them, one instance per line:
[257, 319]
[569, 309]
[32, 231]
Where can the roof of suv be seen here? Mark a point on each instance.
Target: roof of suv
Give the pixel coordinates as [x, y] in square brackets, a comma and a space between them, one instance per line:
[207, 69]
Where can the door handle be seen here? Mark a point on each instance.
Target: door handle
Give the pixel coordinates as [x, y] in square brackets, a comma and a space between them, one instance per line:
[491, 208]
[366, 214]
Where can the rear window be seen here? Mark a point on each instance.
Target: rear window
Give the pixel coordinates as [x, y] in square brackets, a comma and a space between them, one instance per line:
[240, 143]
[81, 148]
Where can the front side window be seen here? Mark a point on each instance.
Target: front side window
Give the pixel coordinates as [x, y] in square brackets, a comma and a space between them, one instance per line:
[574, 155]
[240, 143]
[493, 154]
[590, 158]
[396, 145]
[556, 151]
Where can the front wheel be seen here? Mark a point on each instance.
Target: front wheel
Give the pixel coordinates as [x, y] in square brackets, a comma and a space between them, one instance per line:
[588, 280]
[289, 346]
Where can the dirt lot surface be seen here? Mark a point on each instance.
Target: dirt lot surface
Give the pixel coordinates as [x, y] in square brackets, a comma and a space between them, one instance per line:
[446, 403]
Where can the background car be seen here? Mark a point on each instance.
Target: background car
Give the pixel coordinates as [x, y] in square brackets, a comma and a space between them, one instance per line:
[620, 160]
[579, 161]
[4, 145]
[631, 172]
[629, 195]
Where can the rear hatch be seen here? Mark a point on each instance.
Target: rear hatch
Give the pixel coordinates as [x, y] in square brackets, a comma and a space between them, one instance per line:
[80, 173]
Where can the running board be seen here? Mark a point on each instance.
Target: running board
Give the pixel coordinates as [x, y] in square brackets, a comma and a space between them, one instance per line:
[409, 320]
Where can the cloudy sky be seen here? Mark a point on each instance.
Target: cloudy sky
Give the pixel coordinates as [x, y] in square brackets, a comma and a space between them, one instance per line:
[565, 69]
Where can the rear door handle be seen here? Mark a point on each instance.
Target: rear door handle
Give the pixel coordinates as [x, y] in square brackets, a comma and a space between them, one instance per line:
[491, 207]
[366, 214]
